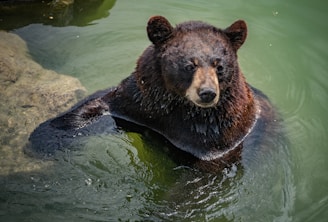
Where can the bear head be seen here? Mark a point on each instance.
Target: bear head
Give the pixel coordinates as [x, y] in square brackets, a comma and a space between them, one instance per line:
[196, 61]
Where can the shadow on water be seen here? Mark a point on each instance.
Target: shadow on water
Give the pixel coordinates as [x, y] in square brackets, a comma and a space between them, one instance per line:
[17, 14]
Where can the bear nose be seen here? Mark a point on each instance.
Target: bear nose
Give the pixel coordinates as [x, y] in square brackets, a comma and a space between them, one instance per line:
[207, 95]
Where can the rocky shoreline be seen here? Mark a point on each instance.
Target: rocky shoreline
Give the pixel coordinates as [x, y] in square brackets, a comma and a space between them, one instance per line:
[29, 95]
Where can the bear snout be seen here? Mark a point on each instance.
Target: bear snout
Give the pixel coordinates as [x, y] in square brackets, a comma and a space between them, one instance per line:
[207, 95]
[204, 97]
[204, 90]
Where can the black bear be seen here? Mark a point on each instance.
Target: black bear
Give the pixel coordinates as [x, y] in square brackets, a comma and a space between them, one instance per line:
[187, 87]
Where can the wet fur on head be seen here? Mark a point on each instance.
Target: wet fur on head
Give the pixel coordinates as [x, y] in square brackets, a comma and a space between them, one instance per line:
[191, 63]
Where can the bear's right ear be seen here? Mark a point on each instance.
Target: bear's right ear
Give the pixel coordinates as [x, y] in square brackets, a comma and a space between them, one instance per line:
[159, 30]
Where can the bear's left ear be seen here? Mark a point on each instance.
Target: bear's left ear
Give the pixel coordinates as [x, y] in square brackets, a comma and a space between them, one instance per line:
[159, 29]
[237, 33]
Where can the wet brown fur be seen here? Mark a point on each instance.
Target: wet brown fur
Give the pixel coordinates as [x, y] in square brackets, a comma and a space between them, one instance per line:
[161, 94]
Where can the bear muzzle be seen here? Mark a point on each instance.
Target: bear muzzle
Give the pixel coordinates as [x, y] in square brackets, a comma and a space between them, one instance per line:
[204, 90]
[204, 97]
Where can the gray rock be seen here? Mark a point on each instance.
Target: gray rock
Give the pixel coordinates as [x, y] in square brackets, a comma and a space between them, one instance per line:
[29, 95]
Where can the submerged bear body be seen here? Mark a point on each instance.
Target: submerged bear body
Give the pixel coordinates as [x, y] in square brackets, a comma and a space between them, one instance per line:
[187, 87]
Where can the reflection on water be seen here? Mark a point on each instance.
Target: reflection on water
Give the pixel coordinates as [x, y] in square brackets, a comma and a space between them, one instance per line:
[127, 177]
[55, 13]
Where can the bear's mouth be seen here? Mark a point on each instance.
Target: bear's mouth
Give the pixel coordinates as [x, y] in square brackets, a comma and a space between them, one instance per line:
[196, 100]
[206, 105]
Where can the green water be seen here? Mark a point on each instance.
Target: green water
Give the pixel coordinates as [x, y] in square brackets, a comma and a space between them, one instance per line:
[124, 177]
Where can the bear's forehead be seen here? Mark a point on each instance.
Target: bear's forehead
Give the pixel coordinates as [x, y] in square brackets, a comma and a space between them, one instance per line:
[195, 44]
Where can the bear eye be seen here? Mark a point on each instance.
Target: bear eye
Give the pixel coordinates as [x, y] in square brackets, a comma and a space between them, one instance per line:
[190, 67]
[219, 70]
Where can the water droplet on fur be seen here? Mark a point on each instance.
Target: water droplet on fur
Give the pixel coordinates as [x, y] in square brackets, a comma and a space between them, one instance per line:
[211, 119]
[216, 129]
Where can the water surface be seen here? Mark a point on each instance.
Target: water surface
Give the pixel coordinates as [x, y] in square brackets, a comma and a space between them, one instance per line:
[128, 177]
